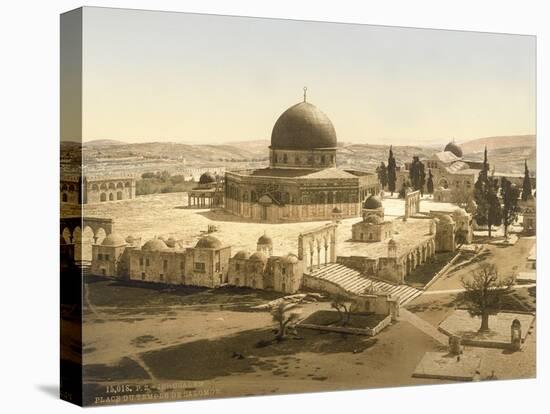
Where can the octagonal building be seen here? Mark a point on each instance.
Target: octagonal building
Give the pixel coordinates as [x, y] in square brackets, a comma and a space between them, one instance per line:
[302, 182]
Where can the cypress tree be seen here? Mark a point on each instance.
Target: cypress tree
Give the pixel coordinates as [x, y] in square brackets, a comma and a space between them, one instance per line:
[526, 193]
[510, 208]
[392, 177]
[382, 172]
[430, 183]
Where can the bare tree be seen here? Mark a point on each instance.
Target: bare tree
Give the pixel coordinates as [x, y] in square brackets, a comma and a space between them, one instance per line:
[345, 307]
[484, 293]
[283, 317]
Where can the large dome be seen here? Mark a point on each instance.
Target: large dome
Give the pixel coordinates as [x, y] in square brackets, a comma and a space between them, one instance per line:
[302, 127]
[454, 148]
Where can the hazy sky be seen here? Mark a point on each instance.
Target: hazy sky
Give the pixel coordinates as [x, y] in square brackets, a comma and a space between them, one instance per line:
[152, 76]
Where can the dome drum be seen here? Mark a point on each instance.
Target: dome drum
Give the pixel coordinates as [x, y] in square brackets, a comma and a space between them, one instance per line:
[313, 158]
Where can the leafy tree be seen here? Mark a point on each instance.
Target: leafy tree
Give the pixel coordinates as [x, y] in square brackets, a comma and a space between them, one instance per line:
[526, 193]
[382, 172]
[345, 307]
[484, 293]
[430, 182]
[283, 317]
[510, 208]
[392, 174]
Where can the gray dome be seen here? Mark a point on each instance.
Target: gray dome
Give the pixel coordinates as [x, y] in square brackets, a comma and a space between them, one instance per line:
[302, 127]
[454, 148]
[372, 203]
[243, 254]
[258, 256]
[208, 242]
[113, 240]
[265, 240]
[290, 258]
[154, 245]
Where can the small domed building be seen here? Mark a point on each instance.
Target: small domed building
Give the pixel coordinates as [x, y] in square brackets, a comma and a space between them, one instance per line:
[207, 263]
[208, 193]
[373, 227]
[108, 258]
[287, 273]
[262, 271]
[302, 181]
[445, 233]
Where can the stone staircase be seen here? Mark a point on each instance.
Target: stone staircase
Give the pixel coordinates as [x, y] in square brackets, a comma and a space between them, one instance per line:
[354, 282]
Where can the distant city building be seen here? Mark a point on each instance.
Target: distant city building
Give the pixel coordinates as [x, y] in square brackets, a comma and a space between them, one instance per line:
[302, 181]
[96, 189]
[449, 171]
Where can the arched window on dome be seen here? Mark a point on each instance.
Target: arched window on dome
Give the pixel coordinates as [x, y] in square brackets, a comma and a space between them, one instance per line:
[285, 159]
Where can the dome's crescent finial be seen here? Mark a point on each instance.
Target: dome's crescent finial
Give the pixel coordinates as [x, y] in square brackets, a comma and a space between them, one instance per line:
[305, 93]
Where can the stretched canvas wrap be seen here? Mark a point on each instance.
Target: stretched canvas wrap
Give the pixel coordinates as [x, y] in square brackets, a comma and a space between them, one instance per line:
[257, 206]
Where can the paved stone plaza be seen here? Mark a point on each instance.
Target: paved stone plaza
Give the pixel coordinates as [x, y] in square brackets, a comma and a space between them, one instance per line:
[462, 324]
[167, 215]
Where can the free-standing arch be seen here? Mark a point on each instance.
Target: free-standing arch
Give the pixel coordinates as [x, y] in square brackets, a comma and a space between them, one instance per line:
[318, 246]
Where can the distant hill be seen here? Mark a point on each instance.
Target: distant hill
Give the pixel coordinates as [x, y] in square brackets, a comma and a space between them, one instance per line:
[103, 142]
[506, 154]
[496, 143]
